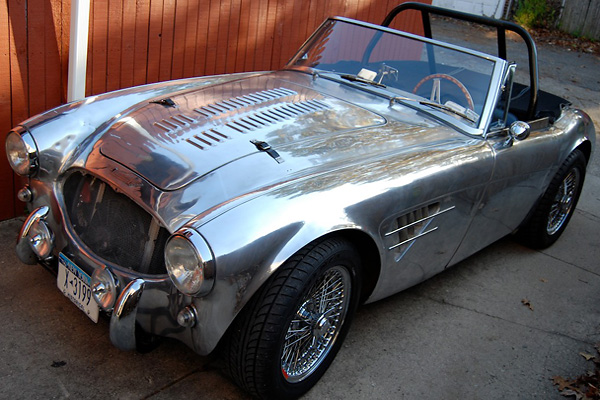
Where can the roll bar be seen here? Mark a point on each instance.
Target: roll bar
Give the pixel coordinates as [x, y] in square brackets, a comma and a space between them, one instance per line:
[501, 28]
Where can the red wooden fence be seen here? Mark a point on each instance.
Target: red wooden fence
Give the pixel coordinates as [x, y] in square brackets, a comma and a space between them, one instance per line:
[133, 42]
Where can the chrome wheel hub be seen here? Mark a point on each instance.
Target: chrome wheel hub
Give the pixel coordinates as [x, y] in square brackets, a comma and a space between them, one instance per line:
[316, 325]
[563, 202]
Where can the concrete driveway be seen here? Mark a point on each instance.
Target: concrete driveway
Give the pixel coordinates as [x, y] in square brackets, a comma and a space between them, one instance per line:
[463, 334]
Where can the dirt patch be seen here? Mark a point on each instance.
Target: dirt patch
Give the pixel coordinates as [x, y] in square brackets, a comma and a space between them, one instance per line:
[570, 42]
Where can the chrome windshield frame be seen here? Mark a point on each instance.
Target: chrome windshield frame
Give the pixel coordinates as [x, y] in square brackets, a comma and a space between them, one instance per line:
[495, 83]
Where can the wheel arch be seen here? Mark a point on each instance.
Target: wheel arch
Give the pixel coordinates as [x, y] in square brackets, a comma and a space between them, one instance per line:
[586, 148]
[370, 258]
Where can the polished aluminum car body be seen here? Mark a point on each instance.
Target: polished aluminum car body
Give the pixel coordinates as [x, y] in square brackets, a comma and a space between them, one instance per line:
[252, 167]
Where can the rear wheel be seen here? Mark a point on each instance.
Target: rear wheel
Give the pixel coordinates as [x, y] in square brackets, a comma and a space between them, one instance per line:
[290, 332]
[556, 207]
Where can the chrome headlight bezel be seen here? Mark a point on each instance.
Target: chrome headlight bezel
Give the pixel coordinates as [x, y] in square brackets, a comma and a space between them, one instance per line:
[190, 263]
[22, 153]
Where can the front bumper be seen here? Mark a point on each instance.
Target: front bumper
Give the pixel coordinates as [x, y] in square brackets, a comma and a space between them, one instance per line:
[148, 303]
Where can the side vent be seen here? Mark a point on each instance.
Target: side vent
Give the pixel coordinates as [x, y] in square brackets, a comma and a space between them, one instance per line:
[411, 226]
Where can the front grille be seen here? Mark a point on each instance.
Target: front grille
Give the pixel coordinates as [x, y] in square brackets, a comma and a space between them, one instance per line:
[113, 226]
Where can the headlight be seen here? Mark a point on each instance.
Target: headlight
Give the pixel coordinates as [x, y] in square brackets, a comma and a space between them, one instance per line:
[22, 153]
[189, 263]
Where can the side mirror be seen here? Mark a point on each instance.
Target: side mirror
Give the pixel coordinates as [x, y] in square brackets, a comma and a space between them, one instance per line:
[519, 130]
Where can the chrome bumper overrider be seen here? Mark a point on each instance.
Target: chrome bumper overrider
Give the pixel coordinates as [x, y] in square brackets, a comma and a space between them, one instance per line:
[25, 242]
[122, 321]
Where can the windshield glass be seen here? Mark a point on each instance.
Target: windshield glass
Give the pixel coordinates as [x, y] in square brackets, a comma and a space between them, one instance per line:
[417, 71]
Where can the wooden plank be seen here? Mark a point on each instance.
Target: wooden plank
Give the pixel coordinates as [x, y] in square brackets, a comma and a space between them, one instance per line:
[233, 39]
[244, 39]
[191, 31]
[52, 54]
[114, 45]
[154, 41]
[298, 32]
[214, 14]
[36, 68]
[258, 61]
[97, 52]
[19, 79]
[180, 10]
[7, 200]
[222, 37]
[203, 13]
[141, 38]
[591, 27]
[246, 61]
[277, 35]
[128, 20]
[168, 33]
[312, 21]
[64, 48]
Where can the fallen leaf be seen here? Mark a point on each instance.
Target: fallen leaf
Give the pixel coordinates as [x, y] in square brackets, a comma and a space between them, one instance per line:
[527, 303]
[587, 356]
[561, 382]
[543, 280]
[567, 393]
[58, 364]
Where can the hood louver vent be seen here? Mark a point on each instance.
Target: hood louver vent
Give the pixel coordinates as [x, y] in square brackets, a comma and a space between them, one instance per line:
[276, 114]
[235, 103]
[219, 108]
[266, 116]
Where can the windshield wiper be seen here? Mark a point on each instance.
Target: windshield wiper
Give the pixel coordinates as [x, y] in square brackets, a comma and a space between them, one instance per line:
[355, 78]
[472, 118]
[449, 109]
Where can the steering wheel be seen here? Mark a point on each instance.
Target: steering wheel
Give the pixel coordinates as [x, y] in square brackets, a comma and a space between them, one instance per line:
[452, 79]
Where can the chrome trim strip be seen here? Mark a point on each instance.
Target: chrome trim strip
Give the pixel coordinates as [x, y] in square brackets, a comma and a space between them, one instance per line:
[418, 222]
[413, 238]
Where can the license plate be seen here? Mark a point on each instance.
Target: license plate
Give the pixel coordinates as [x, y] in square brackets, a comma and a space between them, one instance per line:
[75, 284]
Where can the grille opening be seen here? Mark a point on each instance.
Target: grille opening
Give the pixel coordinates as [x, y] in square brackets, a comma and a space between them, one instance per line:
[113, 227]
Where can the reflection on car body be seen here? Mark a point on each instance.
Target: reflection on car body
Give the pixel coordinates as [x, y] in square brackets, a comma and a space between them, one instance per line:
[254, 212]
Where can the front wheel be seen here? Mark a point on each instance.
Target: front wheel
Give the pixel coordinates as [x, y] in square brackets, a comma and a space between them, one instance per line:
[557, 205]
[290, 332]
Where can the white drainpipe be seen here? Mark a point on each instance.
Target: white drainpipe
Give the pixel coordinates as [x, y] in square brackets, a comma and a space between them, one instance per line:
[78, 44]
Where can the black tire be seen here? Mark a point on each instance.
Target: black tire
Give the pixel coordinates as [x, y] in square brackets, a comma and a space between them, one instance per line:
[145, 342]
[556, 207]
[283, 312]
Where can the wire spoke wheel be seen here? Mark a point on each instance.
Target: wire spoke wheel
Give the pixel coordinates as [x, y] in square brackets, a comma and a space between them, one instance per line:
[315, 327]
[563, 202]
[291, 330]
[555, 208]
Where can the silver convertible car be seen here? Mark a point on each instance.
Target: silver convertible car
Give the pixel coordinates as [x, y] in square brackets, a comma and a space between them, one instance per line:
[252, 213]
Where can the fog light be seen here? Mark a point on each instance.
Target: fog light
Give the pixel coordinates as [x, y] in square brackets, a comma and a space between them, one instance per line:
[104, 288]
[25, 194]
[41, 239]
[187, 317]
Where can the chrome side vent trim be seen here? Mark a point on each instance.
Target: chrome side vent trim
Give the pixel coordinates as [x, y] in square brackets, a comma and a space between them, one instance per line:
[413, 225]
